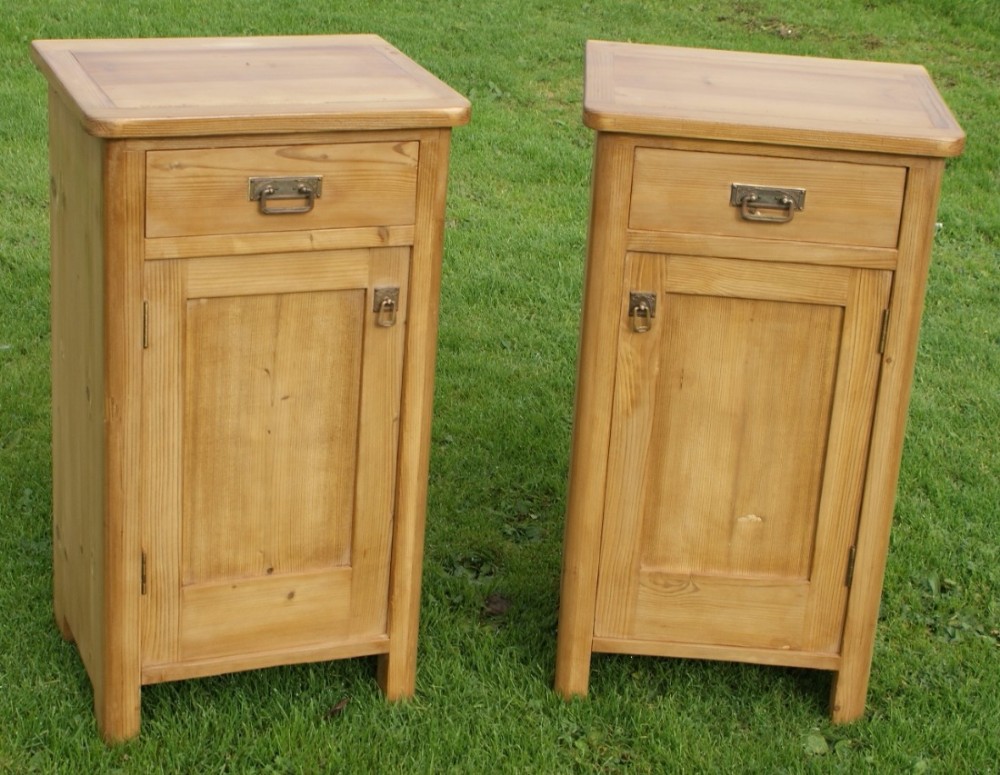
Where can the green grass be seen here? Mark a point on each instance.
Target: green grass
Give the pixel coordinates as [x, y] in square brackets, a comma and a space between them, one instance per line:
[510, 313]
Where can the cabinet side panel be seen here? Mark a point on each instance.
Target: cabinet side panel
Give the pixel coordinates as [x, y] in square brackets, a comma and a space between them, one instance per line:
[77, 383]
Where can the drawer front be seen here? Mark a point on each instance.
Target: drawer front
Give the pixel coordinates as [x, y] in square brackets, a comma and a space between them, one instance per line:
[207, 190]
[689, 191]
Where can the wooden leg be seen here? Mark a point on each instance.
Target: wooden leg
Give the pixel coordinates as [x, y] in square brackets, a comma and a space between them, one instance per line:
[397, 674]
[117, 709]
[573, 668]
[63, 625]
[576, 617]
[58, 608]
[850, 687]
[595, 385]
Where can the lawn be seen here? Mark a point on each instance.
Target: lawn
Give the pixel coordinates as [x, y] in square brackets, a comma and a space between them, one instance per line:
[515, 245]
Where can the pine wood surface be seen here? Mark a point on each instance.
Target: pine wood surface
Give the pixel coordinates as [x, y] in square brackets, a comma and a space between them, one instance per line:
[397, 666]
[611, 182]
[163, 87]
[771, 388]
[205, 191]
[845, 203]
[738, 442]
[768, 98]
[117, 700]
[282, 496]
[240, 449]
[847, 699]
[78, 434]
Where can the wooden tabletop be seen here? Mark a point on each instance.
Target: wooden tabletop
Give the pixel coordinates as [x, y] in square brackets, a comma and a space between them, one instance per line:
[767, 98]
[161, 87]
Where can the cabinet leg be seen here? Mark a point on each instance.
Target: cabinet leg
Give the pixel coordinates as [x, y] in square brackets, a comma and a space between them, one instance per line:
[572, 665]
[59, 586]
[63, 625]
[573, 676]
[397, 674]
[117, 708]
[849, 692]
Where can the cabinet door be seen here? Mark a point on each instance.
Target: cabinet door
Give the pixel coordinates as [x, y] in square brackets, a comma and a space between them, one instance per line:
[271, 391]
[738, 448]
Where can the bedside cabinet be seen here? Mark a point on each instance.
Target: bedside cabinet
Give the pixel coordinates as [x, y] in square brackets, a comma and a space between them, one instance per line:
[246, 248]
[760, 234]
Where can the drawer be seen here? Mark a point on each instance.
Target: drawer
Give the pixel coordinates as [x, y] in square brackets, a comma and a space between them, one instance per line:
[689, 191]
[206, 191]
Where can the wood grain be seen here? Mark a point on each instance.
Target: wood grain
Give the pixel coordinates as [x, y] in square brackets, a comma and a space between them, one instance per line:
[195, 192]
[240, 448]
[231, 663]
[397, 667]
[767, 98]
[271, 401]
[771, 389]
[269, 441]
[237, 245]
[78, 380]
[762, 656]
[613, 157]
[280, 612]
[689, 192]
[847, 698]
[117, 701]
[722, 451]
[172, 87]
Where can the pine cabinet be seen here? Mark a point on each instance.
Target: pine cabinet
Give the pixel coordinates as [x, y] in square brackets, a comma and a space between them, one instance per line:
[246, 246]
[758, 250]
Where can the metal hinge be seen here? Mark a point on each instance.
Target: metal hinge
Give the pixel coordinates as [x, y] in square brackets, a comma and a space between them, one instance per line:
[850, 568]
[145, 325]
[884, 333]
[142, 583]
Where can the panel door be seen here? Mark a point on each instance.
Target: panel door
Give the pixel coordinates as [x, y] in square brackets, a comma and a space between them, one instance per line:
[739, 441]
[271, 399]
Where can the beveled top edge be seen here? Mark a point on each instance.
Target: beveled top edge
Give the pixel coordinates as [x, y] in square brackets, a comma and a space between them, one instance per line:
[605, 110]
[436, 105]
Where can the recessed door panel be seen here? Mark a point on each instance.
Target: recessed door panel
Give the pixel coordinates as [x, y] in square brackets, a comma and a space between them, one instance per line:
[739, 438]
[269, 438]
[271, 389]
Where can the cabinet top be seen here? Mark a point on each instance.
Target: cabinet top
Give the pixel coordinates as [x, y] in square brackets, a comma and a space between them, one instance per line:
[767, 98]
[164, 87]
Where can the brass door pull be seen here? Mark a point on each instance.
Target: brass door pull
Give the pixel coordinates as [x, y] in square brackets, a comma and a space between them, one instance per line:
[767, 205]
[264, 190]
[385, 306]
[642, 310]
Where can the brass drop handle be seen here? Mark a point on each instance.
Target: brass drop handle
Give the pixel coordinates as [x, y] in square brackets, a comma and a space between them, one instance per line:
[642, 310]
[265, 190]
[385, 306]
[753, 212]
[765, 204]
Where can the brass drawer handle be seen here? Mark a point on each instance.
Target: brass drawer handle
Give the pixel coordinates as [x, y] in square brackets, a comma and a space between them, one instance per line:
[768, 205]
[264, 190]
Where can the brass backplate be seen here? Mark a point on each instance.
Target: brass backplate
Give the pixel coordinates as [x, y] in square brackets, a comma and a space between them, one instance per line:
[642, 301]
[285, 188]
[767, 196]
